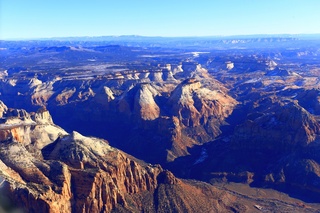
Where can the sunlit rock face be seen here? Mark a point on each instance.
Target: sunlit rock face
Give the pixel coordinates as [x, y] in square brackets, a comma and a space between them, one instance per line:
[223, 110]
[286, 126]
[35, 129]
[178, 106]
[73, 173]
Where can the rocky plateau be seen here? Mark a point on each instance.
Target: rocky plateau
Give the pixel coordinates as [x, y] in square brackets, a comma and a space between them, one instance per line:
[200, 125]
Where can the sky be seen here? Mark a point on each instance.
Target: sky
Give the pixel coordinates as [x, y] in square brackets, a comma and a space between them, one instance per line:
[29, 19]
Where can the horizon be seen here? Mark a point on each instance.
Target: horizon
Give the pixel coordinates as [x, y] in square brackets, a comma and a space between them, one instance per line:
[36, 19]
[297, 35]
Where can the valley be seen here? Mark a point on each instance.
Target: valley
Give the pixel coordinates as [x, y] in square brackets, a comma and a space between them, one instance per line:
[223, 118]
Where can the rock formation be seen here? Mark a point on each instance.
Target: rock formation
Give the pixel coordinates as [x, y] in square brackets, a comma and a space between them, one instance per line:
[300, 128]
[74, 173]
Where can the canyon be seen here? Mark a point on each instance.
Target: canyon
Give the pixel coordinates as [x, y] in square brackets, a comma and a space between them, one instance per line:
[138, 128]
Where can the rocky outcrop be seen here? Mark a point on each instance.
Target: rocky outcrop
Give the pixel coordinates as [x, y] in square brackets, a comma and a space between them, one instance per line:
[271, 65]
[308, 99]
[139, 102]
[287, 126]
[275, 146]
[190, 114]
[3, 108]
[101, 176]
[158, 102]
[299, 173]
[199, 108]
[144, 103]
[281, 72]
[35, 129]
[194, 104]
[75, 173]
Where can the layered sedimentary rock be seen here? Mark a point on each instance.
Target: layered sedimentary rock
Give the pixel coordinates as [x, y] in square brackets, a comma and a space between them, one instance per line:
[285, 125]
[276, 146]
[197, 113]
[162, 106]
[139, 102]
[35, 129]
[74, 173]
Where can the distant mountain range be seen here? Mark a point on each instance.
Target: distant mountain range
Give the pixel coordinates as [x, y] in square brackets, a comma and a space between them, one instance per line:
[157, 38]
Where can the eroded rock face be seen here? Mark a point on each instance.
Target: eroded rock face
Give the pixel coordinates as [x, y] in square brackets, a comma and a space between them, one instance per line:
[197, 113]
[178, 117]
[164, 107]
[139, 102]
[286, 126]
[299, 173]
[144, 103]
[74, 173]
[276, 146]
[3, 108]
[195, 105]
[309, 99]
[36, 129]
[101, 175]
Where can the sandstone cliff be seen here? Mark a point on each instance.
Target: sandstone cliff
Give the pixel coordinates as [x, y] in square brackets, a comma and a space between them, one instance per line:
[172, 107]
[74, 173]
[284, 127]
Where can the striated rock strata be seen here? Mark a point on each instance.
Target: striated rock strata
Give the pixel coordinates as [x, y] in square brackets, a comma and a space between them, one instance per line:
[74, 173]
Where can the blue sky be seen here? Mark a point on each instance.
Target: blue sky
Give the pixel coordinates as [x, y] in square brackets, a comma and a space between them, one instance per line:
[60, 18]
